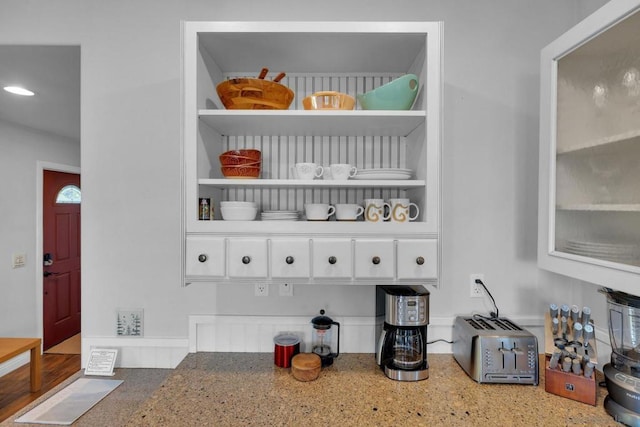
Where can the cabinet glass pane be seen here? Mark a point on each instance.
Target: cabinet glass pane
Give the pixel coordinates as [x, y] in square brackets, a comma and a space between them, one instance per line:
[598, 147]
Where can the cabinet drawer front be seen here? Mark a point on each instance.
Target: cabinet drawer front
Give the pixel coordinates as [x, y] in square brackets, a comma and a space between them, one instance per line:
[374, 258]
[417, 259]
[247, 258]
[204, 256]
[290, 258]
[332, 258]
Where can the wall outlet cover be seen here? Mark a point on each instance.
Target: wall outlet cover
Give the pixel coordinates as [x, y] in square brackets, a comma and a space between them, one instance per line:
[130, 322]
[261, 290]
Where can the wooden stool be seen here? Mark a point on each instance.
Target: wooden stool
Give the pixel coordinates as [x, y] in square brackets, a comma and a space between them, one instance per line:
[12, 347]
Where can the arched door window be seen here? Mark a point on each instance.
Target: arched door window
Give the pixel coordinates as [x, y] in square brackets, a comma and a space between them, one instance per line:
[69, 194]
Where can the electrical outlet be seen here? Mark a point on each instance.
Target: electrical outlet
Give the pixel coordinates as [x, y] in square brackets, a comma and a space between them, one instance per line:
[286, 290]
[475, 289]
[261, 290]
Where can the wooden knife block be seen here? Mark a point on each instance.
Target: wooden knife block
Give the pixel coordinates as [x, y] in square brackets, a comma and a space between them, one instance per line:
[570, 385]
[567, 384]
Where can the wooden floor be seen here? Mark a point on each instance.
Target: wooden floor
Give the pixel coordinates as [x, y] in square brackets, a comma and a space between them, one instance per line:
[14, 387]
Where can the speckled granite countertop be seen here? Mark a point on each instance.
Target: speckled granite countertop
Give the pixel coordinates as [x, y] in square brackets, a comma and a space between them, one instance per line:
[232, 389]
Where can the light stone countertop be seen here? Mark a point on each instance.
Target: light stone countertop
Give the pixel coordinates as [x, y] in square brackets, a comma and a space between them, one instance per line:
[232, 389]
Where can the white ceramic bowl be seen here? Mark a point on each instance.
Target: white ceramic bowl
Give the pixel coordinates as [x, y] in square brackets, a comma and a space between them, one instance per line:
[232, 204]
[238, 213]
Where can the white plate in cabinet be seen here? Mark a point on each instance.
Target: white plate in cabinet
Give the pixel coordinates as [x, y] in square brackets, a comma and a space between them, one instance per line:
[332, 258]
[417, 259]
[290, 258]
[204, 256]
[374, 259]
[247, 258]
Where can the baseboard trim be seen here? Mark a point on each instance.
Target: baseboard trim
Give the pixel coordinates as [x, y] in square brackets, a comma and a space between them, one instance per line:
[165, 353]
[15, 363]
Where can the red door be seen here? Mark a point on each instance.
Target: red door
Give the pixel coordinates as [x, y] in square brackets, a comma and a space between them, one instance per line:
[61, 241]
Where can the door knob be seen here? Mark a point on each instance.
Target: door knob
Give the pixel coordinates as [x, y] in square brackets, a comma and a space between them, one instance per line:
[246, 259]
[332, 260]
[289, 260]
[420, 260]
[375, 260]
[202, 257]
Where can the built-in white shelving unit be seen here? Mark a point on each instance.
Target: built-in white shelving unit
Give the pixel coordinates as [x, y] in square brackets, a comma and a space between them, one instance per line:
[348, 57]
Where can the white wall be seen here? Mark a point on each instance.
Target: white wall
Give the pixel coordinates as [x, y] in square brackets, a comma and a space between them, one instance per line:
[20, 150]
[131, 153]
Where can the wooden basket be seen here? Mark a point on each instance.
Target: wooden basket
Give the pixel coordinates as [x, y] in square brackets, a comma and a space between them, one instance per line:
[254, 94]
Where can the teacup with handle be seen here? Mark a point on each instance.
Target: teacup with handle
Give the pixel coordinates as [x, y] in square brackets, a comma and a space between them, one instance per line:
[374, 210]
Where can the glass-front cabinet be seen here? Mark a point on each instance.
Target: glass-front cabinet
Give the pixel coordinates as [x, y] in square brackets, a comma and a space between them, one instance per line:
[590, 150]
[398, 149]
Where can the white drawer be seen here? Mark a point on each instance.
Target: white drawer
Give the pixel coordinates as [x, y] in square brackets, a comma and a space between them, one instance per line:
[374, 259]
[332, 258]
[247, 258]
[290, 258]
[417, 259]
[204, 256]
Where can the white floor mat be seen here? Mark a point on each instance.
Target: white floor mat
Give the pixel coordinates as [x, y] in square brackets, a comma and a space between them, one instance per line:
[66, 406]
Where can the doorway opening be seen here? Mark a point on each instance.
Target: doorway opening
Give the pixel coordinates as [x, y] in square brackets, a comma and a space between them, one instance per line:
[60, 255]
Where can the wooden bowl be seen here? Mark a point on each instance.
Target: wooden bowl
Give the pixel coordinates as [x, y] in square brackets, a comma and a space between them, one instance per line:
[329, 100]
[247, 93]
[241, 172]
[250, 153]
[306, 366]
[238, 161]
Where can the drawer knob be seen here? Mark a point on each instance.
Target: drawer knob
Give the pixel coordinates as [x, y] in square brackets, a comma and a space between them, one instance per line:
[332, 260]
[289, 260]
[420, 260]
[375, 260]
[246, 259]
[202, 257]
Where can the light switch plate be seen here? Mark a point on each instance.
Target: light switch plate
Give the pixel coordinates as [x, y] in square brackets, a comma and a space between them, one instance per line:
[286, 290]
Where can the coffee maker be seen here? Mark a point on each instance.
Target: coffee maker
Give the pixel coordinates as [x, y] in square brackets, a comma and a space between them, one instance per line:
[622, 375]
[402, 317]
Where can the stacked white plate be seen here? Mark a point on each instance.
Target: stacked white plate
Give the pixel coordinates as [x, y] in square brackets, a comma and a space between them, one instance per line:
[384, 173]
[616, 252]
[279, 215]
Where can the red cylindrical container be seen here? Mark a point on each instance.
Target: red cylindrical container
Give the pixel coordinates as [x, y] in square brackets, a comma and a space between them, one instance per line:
[287, 345]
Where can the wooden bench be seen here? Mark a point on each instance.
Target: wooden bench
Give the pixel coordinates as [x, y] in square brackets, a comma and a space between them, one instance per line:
[12, 347]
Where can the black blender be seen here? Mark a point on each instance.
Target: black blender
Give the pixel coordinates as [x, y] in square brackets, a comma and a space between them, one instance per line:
[622, 375]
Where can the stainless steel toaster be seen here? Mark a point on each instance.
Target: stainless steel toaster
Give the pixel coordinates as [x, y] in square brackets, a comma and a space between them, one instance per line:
[495, 350]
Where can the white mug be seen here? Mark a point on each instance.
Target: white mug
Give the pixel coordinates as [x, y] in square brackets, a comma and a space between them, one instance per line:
[318, 211]
[348, 211]
[307, 170]
[342, 171]
[401, 210]
[374, 210]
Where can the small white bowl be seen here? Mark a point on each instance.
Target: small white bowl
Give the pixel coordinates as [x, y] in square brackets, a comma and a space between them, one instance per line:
[238, 204]
[238, 213]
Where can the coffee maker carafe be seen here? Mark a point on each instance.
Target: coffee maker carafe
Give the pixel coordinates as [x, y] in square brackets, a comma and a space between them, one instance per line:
[402, 317]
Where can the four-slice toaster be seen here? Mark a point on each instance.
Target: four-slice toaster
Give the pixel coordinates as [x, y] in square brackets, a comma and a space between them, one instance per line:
[495, 350]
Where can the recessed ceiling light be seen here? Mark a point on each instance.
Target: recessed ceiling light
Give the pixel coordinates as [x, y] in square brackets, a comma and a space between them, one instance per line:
[16, 90]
